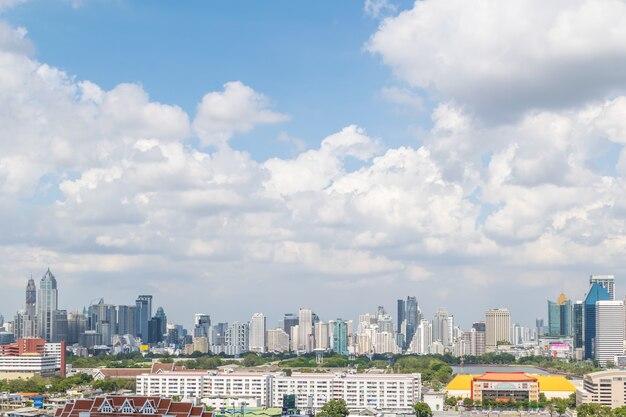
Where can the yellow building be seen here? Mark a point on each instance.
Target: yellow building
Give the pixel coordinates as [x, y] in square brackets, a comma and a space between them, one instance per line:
[552, 386]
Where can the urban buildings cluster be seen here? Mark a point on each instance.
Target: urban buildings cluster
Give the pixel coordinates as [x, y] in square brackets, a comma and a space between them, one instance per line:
[588, 329]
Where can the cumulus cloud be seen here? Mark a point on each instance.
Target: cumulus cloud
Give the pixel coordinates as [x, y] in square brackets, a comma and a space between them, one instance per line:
[237, 109]
[502, 60]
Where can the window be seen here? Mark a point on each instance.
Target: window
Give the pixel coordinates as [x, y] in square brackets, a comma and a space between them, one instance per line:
[105, 407]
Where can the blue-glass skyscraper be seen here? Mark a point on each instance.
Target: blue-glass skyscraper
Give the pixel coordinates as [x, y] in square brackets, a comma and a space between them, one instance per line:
[596, 293]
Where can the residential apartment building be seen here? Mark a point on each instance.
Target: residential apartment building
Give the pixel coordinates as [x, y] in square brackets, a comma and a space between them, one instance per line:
[385, 391]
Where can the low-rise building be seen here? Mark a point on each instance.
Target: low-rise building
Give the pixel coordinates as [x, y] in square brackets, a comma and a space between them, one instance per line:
[128, 406]
[32, 356]
[607, 388]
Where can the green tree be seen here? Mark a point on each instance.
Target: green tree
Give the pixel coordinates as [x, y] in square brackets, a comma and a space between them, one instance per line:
[560, 405]
[620, 411]
[334, 408]
[422, 410]
[594, 410]
[468, 402]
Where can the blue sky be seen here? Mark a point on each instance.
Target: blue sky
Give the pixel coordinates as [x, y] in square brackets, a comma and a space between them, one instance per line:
[241, 150]
[308, 58]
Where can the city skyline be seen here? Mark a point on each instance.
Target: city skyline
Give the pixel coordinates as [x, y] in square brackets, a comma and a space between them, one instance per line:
[337, 155]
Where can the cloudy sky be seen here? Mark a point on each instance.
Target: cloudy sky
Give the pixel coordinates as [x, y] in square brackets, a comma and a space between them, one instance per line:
[237, 156]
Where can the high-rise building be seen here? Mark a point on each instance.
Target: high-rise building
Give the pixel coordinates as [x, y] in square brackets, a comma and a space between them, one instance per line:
[258, 325]
[305, 328]
[480, 346]
[202, 325]
[559, 316]
[289, 320]
[48, 304]
[606, 281]
[237, 338]
[412, 318]
[596, 293]
[497, 328]
[609, 340]
[30, 318]
[321, 335]
[76, 324]
[422, 339]
[126, 320]
[160, 313]
[143, 314]
[577, 324]
[277, 340]
[441, 328]
[401, 315]
[541, 330]
[154, 331]
[60, 326]
[340, 337]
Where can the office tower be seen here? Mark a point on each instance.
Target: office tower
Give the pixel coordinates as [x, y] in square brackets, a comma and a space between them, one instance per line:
[411, 317]
[258, 325]
[277, 340]
[479, 327]
[441, 329]
[540, 326]
[126, 320]
[218, 334]
[60, 326]
[48, 304]
[596, 293]
[294, 338]
[606, 281]
[321, 335]
[340, 337]
[577, 324]
[422, 339]
[154, 331]
[18, 324]
[76, 324]
[401, 308]
[497, 328]
[305, 328]
[609, 340]
[106, 332]
[143, 314]
[102, 313]
[289, 321]
[160, 313]
[202, 325]
[237, 337]
[30, 316]
[559, 317]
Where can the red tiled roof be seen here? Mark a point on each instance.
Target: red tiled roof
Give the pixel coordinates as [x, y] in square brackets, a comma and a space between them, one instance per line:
[505, 377]
[163, 406]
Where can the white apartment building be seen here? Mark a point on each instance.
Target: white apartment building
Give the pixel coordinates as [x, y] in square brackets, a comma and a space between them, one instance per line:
[497, 327]
[27, 365]
[383, 391]
[207, 384]
[277, 340]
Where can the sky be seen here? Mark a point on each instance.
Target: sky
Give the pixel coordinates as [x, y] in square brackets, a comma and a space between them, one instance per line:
[233, 157]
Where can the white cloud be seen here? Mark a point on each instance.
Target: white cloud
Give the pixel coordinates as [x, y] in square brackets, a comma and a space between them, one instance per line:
[376, 8]
[502, 60]
[402, 96]
[237, 109]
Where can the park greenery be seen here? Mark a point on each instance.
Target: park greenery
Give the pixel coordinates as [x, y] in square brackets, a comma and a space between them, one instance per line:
[334, 408]
[61, 385]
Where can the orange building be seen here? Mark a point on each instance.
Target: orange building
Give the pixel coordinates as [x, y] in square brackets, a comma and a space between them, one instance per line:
[505, 387]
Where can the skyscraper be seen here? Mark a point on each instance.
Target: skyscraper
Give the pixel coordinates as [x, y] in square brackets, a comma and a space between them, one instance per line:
[401, 315]
[441, 327]
[606, 281]
[577, 324]
[540, 326]
[29, 323]
[202, 325]
[143, 313]
[160, 313]
[340, 337]
[497, 328]
[596, 293]
[559, 317]
[609, 340]
[258, 338]
[48, 304]
[412, 318]
[126, 320]
[480, 339]
[305, 328]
